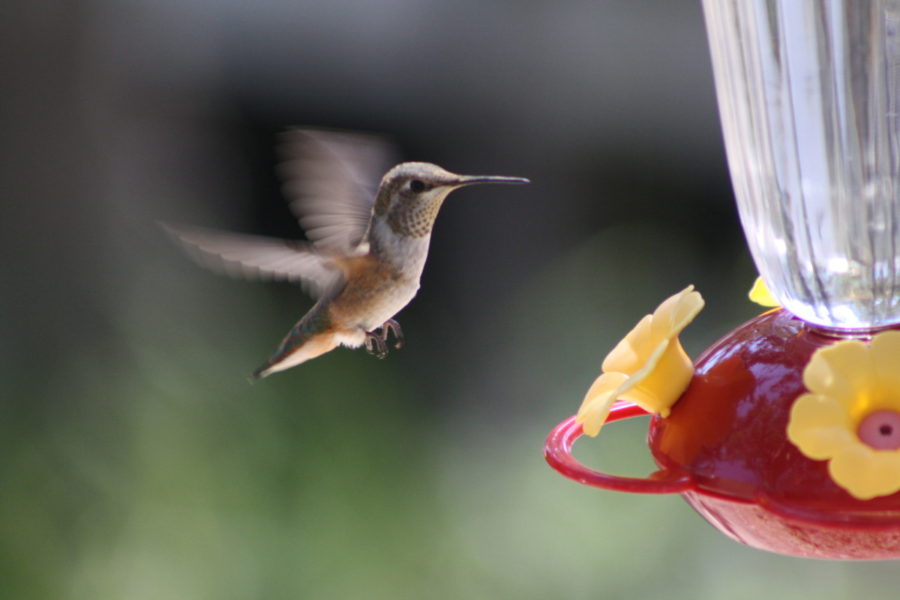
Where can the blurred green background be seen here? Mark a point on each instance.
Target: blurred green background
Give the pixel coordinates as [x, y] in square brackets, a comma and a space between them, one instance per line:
[135, 459]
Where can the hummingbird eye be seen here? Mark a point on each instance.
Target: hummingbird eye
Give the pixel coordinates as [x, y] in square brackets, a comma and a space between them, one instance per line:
[416, 186]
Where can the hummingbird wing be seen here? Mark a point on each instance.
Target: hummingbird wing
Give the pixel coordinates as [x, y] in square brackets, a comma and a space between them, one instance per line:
[331, 179]
[258, 257]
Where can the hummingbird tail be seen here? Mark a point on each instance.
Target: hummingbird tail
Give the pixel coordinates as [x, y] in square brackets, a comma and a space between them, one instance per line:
[259, 373]
[310, 337]
[291, 354]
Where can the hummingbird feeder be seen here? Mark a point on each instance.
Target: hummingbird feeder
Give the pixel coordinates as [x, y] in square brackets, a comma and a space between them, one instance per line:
[785, 434]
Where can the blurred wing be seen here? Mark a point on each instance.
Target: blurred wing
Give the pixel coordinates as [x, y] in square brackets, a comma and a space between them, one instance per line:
[257, 257]
[331, 179]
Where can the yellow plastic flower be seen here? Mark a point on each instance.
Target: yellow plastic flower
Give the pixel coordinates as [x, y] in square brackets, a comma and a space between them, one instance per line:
[851, 415]
[760, 294]
[648, 367]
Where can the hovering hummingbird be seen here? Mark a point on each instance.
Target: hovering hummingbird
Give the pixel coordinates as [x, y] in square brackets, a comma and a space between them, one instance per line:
[366, 250]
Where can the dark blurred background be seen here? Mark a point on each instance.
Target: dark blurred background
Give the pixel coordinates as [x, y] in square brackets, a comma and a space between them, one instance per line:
[135, 459]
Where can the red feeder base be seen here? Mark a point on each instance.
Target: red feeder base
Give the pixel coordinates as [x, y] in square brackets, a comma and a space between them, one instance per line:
[724, 449]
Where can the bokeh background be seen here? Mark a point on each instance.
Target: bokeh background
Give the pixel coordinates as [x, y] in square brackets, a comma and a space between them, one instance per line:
[135, 459]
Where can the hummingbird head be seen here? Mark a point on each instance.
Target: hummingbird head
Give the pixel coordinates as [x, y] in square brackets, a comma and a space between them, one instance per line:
[411, 194]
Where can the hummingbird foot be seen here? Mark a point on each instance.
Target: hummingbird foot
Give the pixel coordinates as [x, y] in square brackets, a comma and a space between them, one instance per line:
[375, 344]
[377, 341]
[393, 327]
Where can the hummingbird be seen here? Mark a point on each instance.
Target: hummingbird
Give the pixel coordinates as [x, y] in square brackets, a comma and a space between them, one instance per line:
[366, 249]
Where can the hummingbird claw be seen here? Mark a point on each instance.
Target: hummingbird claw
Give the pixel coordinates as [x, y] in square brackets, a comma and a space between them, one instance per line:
[375, 345]
[376, 341]
[393, 327]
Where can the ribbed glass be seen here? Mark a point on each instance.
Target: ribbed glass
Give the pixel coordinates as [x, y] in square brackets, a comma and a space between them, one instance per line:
[809, 94]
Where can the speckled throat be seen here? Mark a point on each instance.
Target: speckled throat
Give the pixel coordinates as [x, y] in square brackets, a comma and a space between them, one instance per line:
[412, 217]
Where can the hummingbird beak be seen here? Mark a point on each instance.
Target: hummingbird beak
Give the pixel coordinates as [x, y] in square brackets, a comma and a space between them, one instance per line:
[476, 179]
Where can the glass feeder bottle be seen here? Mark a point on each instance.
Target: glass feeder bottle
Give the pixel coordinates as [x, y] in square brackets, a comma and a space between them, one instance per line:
[809, 96]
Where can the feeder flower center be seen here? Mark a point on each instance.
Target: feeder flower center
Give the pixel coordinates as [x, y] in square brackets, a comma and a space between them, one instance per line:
[648, 367]
[881, 430]
[851, 415]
